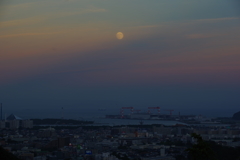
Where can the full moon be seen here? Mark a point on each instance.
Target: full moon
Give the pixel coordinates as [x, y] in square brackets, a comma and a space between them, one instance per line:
[119, 35]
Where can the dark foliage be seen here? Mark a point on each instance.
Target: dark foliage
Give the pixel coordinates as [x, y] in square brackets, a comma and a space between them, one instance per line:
[209, 150]
[201, 150]
[224, 152]
[5, 155]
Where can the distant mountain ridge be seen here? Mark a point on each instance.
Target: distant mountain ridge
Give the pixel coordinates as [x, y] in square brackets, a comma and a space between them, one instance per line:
[236, 116]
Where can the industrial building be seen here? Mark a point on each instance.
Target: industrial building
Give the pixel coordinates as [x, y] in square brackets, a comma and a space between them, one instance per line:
[15, 122]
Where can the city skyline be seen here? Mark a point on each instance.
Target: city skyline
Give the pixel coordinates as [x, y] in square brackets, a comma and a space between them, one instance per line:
[175, 55]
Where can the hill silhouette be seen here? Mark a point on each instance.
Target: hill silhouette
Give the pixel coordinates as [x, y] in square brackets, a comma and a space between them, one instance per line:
[236, 116]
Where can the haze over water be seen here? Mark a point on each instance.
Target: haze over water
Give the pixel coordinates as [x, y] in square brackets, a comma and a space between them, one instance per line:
[86, 114]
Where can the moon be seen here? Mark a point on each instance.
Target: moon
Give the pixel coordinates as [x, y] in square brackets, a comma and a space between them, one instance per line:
[119, 35]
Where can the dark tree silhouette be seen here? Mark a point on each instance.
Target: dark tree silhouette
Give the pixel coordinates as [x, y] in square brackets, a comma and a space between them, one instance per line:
[201, 150]
[5, 155]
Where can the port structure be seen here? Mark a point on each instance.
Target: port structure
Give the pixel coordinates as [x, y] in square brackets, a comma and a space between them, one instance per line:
[137, 110]
[122, 111]
[157, 108]
[170, 111]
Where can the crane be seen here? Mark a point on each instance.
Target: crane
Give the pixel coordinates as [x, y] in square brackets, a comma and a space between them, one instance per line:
[149, 111]
[122, 110]
[170, 111]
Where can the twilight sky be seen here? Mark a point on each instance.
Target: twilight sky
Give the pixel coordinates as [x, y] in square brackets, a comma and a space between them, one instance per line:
[182, 55]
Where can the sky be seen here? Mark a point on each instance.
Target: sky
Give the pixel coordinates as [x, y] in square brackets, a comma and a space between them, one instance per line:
[62, 57]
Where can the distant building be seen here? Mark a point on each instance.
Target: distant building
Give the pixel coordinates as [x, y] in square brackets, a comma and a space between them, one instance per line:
[27, 123]
[63, 141]
[46, 133]
[13, 117]
[14, 124]
[2, 124]
[27, 156]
